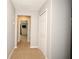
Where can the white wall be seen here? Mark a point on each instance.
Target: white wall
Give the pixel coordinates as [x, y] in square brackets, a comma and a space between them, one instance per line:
[61, 34]
[34, 25]
[10, 27]
[3, 29]
[48, 6]
[59, 28]
[43, 33]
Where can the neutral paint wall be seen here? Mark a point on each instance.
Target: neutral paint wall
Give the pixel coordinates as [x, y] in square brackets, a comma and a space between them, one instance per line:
[59, 28]
[61, 34]
[47, 5]
[10, 27]
[34, 20]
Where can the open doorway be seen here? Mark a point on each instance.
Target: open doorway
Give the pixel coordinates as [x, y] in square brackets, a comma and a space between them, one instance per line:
[23, 31]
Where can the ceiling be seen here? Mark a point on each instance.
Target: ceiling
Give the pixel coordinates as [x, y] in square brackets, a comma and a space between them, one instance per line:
[28, 4]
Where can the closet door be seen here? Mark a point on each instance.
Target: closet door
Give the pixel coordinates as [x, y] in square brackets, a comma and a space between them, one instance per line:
[43, 32]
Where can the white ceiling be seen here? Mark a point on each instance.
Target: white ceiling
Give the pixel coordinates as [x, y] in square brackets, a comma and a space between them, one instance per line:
[28, 4]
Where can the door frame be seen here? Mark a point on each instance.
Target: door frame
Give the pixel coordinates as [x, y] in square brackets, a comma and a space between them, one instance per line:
[16, 32]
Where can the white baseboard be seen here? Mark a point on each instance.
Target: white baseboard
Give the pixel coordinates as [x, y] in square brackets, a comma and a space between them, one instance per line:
[11, 53]
[44, 54]
[34, 47]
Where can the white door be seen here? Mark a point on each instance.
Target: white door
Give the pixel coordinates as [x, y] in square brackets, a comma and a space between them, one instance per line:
[43, 33]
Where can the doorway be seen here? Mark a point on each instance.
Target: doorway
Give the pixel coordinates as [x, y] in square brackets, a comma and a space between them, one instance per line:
[23, 31]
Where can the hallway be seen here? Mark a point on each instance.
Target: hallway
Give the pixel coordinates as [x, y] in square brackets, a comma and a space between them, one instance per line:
[47, 25]
[23, 51]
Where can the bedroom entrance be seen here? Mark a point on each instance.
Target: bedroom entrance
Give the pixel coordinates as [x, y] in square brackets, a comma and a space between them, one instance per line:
[23, 30]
